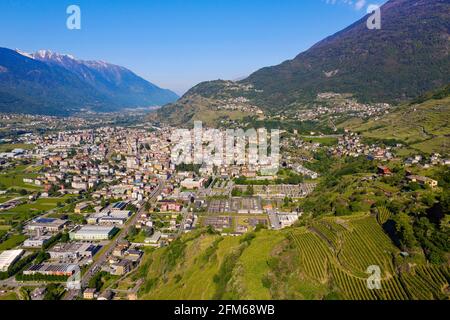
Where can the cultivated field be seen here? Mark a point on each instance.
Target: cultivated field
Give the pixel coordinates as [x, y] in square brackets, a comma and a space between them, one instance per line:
[325, 260]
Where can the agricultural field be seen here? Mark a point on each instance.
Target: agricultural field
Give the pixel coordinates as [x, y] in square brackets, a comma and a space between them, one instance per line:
[423, 127]
[13, 178]
[324, 141]
[29, 210]
[12, 241]
[326, 260]
[383, 215]
[344, 253]
[196, 267]
[9, 147]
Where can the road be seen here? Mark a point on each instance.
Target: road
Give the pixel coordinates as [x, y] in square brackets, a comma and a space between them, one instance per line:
[323, 136]
[93, 269]
[185, 214]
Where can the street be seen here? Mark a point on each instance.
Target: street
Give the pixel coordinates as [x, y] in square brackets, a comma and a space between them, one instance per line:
[96, 266]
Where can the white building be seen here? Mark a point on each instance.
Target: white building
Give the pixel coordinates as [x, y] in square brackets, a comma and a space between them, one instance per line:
[37, 242]
[287, 220]
[8, 258]
[154, 239]
[79, 185]
[93, 233]
[75, 250]
[46, 225]
[192, 184]
[109, 217]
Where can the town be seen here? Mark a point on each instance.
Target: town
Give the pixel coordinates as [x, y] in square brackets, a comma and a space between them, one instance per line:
[95, 200]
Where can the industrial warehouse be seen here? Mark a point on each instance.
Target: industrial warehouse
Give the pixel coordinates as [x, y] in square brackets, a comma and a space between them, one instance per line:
[93, 233]
[8, 258]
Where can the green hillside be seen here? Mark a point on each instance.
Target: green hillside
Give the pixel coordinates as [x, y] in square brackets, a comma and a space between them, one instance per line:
[399, 62]
[353, 220]
[326, 260]
[197, 108]
[420, 127]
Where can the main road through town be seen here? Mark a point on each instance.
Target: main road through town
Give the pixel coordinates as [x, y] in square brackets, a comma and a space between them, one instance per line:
[100, 260]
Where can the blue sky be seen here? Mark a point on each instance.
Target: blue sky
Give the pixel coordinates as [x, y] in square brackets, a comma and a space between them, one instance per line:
[178, 43]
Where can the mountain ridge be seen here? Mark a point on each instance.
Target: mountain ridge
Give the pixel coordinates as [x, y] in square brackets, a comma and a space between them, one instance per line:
[26, 79]
[395, 64]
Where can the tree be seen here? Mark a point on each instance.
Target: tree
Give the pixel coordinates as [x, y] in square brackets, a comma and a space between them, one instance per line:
[97, 281]
[250, 190]
[65, 237]
[236, 192]
[133, 232]
[404, 229]
[286, 201]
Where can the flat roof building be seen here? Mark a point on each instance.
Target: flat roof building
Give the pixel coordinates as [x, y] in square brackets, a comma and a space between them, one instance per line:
[108, 217]
[46, 225]
[119, 206]
[89, 294]
[37, 242]
[154, 239]
[51, 269]
[93, 233]
[72, 251]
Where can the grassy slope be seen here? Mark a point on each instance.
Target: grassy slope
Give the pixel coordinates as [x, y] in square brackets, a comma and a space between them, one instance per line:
[193, 277]
[14, 178]
[4, 199]
[326, 260]
[9, 297]
[196, 108]
[423, 127]
[42, 204]
[10, 147]
[12, 242]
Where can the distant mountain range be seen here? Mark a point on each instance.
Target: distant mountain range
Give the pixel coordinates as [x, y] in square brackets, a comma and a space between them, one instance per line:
[406, 58]
[54, 84]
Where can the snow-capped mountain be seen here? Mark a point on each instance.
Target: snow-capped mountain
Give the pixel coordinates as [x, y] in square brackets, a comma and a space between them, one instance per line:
[50, 82]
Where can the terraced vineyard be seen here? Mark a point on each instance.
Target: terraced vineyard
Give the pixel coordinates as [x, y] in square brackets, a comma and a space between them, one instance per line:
[366, 245]
[342, 254]
[330, 231]
[327, 259]
[426, 282]
[383, 215]
[315, 255]
[354, 288]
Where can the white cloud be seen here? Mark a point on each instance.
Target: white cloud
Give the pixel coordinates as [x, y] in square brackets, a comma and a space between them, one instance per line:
[360, 4]
[357, 4]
